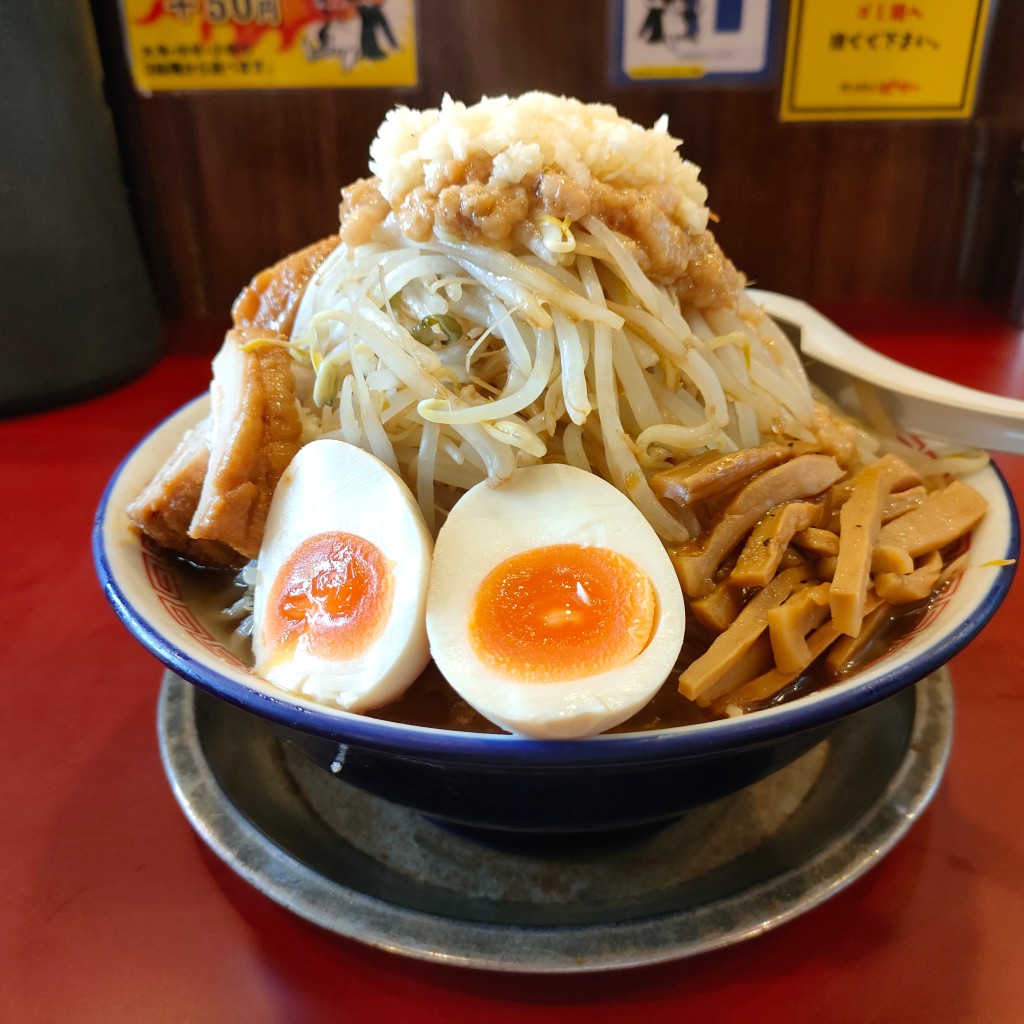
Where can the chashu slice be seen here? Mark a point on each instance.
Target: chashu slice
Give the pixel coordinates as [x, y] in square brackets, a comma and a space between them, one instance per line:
[255, 429]
[271, 298]
[230, 522]
[164, 509]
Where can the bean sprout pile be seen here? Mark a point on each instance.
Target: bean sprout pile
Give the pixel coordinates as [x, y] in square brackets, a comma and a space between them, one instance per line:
[453, 363]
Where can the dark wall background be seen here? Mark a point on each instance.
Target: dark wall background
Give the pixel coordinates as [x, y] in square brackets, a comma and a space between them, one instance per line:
[906, 211]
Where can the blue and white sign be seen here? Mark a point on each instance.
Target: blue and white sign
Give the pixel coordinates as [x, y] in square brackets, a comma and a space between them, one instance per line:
[695, 39]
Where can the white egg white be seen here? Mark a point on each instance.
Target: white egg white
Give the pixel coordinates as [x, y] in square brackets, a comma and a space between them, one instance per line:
[333, 486]
[540, 506]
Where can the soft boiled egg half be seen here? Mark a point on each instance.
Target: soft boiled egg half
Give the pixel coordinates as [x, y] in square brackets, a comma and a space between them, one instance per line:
[553, 607]
[341, 581]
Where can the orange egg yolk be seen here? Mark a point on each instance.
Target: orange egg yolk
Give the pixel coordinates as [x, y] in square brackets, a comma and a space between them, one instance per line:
[561, 612]
[334, 591]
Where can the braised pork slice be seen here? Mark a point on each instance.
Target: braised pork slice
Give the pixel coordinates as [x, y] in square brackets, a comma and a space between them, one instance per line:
[255, 430]
[164, 509]
[271, 298]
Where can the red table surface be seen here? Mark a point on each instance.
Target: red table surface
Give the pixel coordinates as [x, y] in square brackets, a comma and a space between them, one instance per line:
[111, 908]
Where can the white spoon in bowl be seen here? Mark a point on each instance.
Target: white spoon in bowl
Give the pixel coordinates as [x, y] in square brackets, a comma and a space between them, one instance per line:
[857, 377]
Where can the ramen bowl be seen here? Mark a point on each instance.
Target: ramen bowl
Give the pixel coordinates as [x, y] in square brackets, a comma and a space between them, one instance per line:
[503, 786]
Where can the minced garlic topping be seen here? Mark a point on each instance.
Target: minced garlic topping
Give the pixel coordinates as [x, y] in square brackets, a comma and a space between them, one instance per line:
[507, 170]
[521, 137]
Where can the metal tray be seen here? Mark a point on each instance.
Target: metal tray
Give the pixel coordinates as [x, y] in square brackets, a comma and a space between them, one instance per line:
[383, 875]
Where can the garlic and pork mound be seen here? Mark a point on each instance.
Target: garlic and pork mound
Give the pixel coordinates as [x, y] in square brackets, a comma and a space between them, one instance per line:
[341, 582]
[553, 607]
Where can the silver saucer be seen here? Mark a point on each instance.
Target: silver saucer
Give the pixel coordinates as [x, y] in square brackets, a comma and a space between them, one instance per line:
[383, 875]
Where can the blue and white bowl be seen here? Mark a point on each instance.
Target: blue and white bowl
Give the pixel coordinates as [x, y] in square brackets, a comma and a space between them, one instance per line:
[509, 784]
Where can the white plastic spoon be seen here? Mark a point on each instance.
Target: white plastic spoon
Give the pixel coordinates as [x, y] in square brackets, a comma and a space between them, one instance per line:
[914, 400]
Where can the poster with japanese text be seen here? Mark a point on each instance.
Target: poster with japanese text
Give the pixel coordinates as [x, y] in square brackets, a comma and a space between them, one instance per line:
[851, 59]
[176, 45]
[695, 39]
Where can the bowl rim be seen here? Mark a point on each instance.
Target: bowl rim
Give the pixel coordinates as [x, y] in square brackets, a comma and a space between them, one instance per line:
[699, 740]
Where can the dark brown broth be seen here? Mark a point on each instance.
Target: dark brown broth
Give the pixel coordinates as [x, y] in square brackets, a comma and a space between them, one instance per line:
[432, 702]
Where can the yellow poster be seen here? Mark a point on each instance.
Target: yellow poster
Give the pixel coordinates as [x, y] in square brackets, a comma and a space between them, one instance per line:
[858, 60]
[176, 45]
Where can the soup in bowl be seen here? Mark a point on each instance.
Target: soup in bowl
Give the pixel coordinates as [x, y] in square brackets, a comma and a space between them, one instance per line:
[494, 781]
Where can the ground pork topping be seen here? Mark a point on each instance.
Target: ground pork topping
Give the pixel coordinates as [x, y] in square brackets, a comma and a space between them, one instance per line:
[481, 173]
[482, 212]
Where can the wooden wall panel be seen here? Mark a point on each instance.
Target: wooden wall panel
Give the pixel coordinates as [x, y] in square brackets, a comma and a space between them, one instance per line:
[225, 183]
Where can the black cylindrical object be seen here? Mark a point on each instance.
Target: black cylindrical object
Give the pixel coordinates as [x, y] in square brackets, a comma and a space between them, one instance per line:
[77, 309]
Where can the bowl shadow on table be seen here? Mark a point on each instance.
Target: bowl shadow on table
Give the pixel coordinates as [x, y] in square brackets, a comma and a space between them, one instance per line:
[554, 808]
